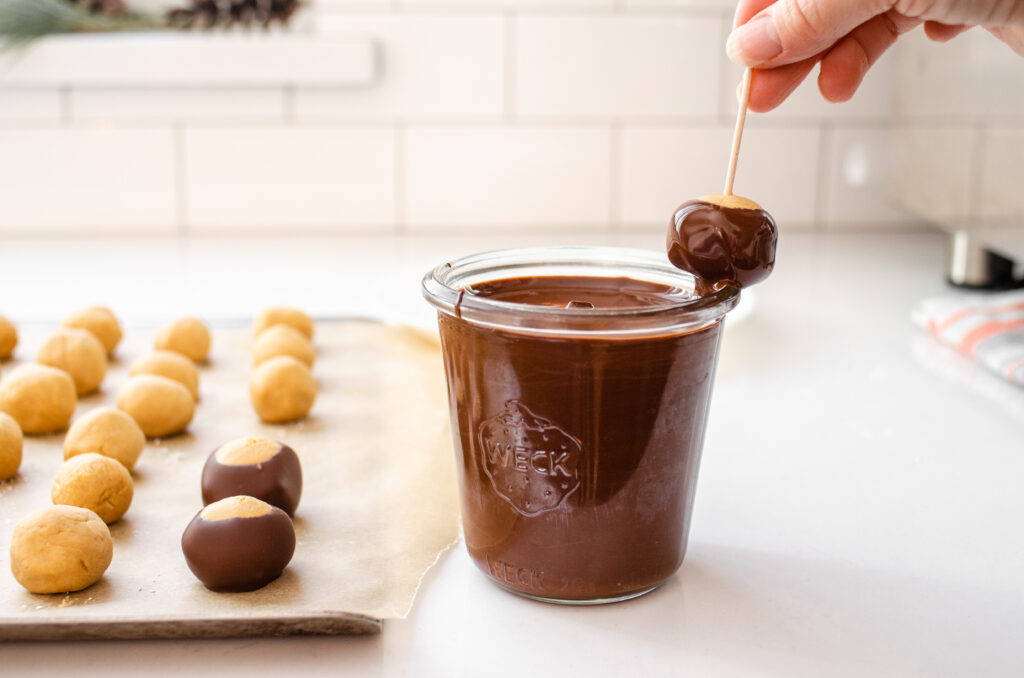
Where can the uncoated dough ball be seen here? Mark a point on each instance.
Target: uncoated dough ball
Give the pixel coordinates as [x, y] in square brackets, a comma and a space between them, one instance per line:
[283, 315]
[8, 337]
[78, 353]
[159, 405]
[188, 336]
[109, 432]
[99, 320]
[282, 389]
[40, 398]
[171, 365]
[282, 340]
[60, 548]
[94, 482]
[11, 443]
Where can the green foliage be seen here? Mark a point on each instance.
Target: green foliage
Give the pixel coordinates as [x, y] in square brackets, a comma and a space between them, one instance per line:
[22, 21]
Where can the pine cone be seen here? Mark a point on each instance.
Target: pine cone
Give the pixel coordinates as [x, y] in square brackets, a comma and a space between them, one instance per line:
[226, 13]
[105, 7]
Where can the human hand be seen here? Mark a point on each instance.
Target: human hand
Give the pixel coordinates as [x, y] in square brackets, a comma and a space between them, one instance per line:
[784, 39]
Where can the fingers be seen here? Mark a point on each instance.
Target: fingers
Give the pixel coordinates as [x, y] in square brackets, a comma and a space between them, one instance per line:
[789, 31]
[771, 87]
[843, 67]
[943, 32]
[1012, 36]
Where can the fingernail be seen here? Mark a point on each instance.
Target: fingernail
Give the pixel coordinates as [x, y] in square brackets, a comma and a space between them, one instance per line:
[754, 43]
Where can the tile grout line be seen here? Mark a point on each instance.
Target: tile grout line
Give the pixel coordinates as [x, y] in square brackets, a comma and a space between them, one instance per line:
[498, 121]
[180, 179]
[401, 180]
[826, 136]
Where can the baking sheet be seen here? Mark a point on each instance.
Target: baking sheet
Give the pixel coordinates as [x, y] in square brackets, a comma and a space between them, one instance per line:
[379, 501]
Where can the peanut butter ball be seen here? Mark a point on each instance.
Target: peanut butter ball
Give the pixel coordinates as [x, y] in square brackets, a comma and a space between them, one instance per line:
[283, 315]
[282, 389]
[60, 549]
[78, 353]
[282, 340]
[109, 432]
[99, 320]
[171, 365]
[40, 398]
[187, 336]
[94, 482]
[8, 337]
[238, 544]
[11, 443]
[160, 406]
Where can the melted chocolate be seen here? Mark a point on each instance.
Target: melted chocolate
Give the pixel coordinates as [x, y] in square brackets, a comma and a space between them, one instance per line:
[577, 292]
[578, 455]
[722, 245]
[239, 554]
[277, 480]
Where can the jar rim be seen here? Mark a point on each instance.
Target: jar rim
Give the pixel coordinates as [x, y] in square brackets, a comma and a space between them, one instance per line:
[444, 287]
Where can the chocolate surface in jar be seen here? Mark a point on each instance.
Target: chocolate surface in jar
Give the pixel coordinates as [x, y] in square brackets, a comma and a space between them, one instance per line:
[578, 449]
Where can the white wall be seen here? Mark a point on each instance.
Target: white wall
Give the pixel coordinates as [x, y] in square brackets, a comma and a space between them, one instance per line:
[481, 114]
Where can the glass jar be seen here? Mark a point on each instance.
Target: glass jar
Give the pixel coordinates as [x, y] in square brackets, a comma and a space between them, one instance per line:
[578, 427]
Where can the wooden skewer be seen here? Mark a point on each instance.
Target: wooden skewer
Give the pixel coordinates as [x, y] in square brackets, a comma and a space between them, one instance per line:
[737, 135]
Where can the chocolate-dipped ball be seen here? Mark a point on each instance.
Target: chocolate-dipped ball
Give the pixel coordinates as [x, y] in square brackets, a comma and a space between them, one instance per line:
[722, 240]
[238, 544]
[261, 468]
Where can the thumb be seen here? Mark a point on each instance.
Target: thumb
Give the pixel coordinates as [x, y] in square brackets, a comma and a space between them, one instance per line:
[788, 31]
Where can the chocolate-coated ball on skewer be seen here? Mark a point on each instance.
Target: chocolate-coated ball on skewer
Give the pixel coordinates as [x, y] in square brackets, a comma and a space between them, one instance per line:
[723, 240]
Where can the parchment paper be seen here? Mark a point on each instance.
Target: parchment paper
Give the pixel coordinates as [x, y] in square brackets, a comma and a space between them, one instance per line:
[379, 501]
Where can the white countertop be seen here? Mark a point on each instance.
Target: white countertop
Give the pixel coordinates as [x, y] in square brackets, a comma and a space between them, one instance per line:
[859, 509]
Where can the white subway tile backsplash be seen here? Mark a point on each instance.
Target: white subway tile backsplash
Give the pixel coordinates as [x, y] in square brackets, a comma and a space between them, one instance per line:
[289, 178]
[972, 76]
[665, 166]
[932, 172]
[857, 179]
[484, 177]
[431, 66]
[34, 104]
[104, 180]
[617, 66]
[507, 114]
[182, 103]
[1002, 189]
[662, 167]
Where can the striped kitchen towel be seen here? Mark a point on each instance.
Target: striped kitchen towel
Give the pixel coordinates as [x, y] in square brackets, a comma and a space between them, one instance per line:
[986, 327]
